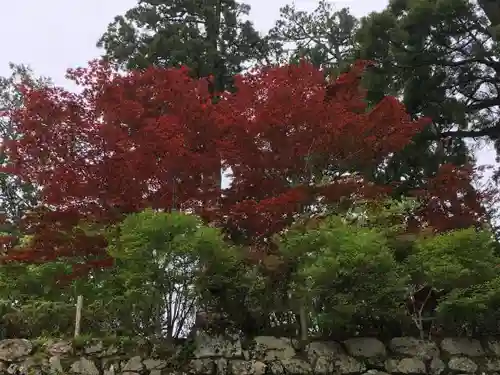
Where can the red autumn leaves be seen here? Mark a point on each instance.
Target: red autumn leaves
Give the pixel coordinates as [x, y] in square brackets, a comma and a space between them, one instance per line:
[291, 139]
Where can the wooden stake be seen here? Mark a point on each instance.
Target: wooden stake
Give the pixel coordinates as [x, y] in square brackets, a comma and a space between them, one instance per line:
[78, 317]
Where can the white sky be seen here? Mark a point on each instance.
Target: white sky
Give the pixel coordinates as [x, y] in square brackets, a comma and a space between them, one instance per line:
[53, 35]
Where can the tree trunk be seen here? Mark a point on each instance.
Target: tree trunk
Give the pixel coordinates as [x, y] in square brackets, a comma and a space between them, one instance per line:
[217, 71]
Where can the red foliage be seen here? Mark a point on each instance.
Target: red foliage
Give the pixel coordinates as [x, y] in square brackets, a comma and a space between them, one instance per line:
[293, 140]
[451, 200]
[122, 144]
[154, 138]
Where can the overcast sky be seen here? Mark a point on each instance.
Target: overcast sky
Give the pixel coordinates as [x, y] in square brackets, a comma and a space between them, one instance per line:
[53, 35]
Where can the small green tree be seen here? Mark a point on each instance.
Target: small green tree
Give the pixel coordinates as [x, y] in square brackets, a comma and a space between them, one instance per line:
[163, 261]
[165, 264]
[343, 272]
[462, 267]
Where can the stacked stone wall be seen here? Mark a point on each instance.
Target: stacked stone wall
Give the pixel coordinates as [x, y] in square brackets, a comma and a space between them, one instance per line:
[263, 355]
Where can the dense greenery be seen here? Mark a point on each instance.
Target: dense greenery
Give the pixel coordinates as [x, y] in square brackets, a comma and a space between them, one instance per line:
[441, 58]
[360, 270]
[352, 275]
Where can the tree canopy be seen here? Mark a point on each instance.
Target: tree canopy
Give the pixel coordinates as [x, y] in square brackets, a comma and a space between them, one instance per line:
[441, 58]
[212, 38]
[352, 206]
[153, 138]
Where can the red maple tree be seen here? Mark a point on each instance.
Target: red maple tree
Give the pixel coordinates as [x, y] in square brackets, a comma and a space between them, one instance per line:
[125, 142]
[292, 140]
[451, 201]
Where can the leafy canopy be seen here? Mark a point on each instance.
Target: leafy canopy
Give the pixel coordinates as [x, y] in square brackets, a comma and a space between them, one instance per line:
[154, 138]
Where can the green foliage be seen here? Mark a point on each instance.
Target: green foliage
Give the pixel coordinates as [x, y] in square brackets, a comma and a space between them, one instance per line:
[163, 261]
[454, 260]
[325, 37]
[351, 274]
[33, 294]
[210, 37]
[344, 271]
[474, 310]
[464, 265]
[435, 56]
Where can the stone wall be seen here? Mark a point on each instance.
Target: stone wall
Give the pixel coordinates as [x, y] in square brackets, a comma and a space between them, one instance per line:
[259, 356]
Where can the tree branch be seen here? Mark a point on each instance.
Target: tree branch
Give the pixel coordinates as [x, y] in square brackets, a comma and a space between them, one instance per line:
[492, 10]
[493, 133]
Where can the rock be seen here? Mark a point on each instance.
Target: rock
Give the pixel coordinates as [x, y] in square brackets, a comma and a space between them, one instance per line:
[348, 365]
[221, 366]
[365, 347]
[111, 371]
[207, 346]
[55, 365]
[273, 348]
[60, 348]
[275, 368]
[341, 363]
[462, 346]
[12, 350]
[28, 367]
[405, 366]
[93, 347]
[410, 346]
[16, 368]
[328, 357]
[241, 367]
[154, 364]
[437, 366]
[493, 365]
[111, 363]
[202, 366]
[259, 368]
[493, 346]
[265, 355]
[134, 364]
[321, 349]
[84, 367]
[323, 365]
[462, 364]
[323, 355]
[111, 350]
[296, 366]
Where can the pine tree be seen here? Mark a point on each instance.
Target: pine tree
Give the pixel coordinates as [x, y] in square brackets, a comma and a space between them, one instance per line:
[210, 37]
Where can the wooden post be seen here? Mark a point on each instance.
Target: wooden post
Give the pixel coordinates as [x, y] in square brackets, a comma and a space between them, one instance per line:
[78, 317]
[304, 329]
